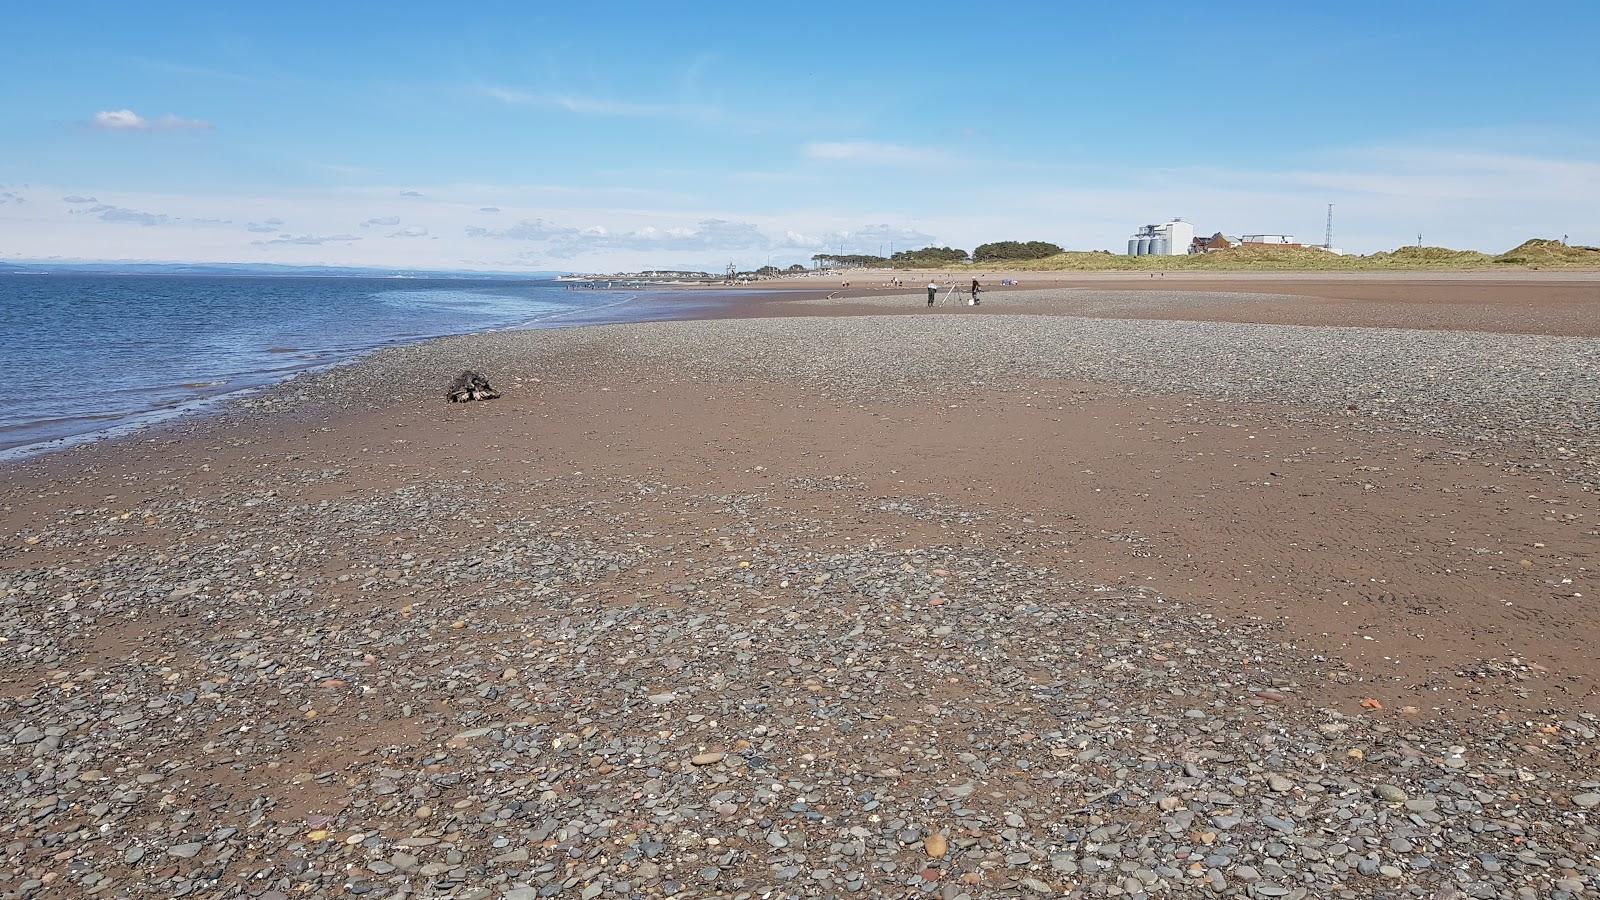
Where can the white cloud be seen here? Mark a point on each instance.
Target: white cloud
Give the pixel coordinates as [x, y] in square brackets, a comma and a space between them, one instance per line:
[411, 231]
[874, 153]
[383, 221]
[489, 209]
[128, 120]
[78, 198]
[120, 119]
[265, 226]
[411, 193]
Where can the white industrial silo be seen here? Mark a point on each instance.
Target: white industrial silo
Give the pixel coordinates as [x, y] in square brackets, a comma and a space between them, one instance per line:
[1159, 246]
[1178, 235]
[1133, 246]
[1144, 245]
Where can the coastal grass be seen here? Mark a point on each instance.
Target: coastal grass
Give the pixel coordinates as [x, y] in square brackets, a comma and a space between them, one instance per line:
[1537, 253]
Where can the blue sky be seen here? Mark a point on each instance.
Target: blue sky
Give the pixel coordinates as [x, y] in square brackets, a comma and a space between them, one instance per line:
[611, 135]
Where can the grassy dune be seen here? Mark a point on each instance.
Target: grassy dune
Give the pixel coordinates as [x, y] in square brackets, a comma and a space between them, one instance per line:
[1532, 254]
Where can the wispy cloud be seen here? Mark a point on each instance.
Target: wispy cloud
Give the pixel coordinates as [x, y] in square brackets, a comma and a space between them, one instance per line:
[310, 239]
[190, 71]
[875, 239]
[707, 235]
[525, 230]
[509, 96]
[12, 197]
[108, 213]
[381, 221]
[875, 153]
[265, 226]
[566, 242]
[78, 198]
[343, 169]
[410, 231]
[589, 105]
[409, 193]
[128, 120]
[1450, 174]
[489, 209]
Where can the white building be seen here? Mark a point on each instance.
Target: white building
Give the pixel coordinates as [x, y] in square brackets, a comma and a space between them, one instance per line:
[1266, 239]
[1168, 239]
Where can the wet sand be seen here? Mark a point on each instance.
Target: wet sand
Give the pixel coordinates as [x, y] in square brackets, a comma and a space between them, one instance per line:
[1561, 303]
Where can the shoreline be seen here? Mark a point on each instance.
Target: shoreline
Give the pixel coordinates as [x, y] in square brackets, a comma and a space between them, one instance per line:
[1555, 303]
[257, 382]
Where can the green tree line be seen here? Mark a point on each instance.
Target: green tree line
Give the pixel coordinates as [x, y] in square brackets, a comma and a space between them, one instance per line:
[942, 256]
[1007, 250]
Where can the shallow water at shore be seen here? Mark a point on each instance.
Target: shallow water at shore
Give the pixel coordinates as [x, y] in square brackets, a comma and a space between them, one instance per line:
[89, 355]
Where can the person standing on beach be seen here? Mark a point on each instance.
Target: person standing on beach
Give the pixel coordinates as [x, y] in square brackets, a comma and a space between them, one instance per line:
[933, 290]
[975, 300]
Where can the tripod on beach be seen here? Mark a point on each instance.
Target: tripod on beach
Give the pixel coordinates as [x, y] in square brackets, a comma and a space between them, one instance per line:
[953, 293]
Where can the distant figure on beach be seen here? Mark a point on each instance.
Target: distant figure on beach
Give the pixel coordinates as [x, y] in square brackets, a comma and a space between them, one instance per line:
[975, 300]
[933, 290]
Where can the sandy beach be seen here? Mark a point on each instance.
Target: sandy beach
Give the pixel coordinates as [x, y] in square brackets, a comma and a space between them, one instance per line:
[1256, 586]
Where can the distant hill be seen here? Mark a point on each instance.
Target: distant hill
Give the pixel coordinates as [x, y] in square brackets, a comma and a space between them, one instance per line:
[1542, 253]
[1537, 253]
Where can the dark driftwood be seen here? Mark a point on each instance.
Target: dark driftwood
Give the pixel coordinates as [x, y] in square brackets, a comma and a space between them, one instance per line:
[470, 385]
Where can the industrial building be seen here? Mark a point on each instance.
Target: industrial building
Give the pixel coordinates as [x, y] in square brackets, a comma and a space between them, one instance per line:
[1168, 239]
[1218, 241]
[1277, 240]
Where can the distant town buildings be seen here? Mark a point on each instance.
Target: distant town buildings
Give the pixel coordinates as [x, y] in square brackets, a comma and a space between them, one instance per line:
[1218, 241]
[1177, 238]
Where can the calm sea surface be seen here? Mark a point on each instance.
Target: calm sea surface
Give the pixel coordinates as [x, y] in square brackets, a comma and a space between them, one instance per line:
[84, 355]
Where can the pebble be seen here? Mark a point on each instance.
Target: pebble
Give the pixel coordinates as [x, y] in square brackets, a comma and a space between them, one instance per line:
[1389, 793]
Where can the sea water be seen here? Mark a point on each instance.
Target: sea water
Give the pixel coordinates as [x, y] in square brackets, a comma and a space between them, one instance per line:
[87, 355]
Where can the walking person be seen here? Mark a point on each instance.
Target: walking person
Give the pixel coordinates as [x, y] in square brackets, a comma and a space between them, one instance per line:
[975, 300]
[933, 290]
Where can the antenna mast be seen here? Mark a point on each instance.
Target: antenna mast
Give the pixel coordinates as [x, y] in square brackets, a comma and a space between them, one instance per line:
[1327, 236]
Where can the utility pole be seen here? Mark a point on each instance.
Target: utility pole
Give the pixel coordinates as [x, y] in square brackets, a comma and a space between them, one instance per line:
[1419, 239]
